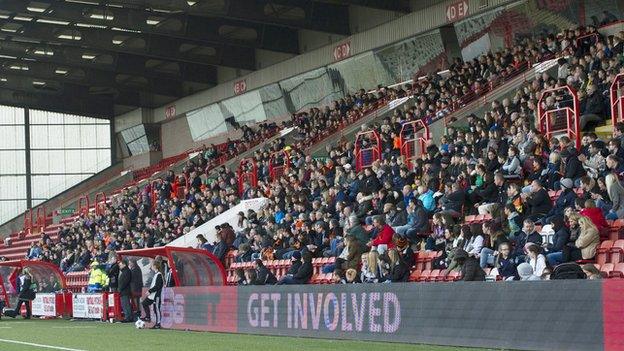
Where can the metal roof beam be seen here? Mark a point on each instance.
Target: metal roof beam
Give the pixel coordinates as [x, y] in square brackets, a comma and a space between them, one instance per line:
[174, 25]
[152, 46]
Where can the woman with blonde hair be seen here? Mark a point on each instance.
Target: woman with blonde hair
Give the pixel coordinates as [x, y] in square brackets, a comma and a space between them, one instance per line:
[584, 247]
[370, 267]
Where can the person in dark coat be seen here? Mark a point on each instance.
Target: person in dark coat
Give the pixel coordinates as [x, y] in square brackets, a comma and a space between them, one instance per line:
[220, 249]
[263, 275]
[554, 251]
[470, 269]
[125, 290]
[573, 166]
[25, 296]
[136, 285]
[113, 274]
[295, 265]
[304, 273]
[538, 201]
[566, 199]
[398, 270]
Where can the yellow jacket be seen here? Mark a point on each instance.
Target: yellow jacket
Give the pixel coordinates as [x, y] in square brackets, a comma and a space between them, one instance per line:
[98, 277]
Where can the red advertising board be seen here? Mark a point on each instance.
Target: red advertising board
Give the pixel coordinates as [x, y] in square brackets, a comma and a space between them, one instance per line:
[457, 11]
[240, 87]
[342, 51]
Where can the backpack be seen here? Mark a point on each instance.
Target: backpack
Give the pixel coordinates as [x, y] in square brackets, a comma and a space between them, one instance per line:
[568, 270]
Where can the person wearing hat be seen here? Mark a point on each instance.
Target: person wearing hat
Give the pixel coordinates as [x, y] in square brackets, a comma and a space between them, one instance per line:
[98, 279]
[525, 271]
[124, 286]
[470, 269]
[565, 199]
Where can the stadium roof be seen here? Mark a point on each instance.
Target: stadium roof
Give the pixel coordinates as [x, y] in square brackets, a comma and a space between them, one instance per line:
[103, 58]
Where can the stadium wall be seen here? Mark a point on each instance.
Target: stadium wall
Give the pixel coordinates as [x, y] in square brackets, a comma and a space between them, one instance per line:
[546, 315]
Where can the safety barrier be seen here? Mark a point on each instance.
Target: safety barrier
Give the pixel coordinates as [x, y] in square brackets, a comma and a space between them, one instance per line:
[247, 174]
[561, 120]
[617, 99]
[100, 203]
[83, 204]
[413, 139]
[367, 149]
[279, 163]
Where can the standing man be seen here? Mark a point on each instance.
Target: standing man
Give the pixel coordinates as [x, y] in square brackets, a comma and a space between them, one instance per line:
[113, 273]
[125, 290]
[136, 286]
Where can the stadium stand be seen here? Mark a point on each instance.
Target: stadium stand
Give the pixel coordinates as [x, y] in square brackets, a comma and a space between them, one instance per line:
[504, 179]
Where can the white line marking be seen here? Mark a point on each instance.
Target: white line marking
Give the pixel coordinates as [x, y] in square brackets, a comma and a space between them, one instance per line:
[38, 345]
[6, 327]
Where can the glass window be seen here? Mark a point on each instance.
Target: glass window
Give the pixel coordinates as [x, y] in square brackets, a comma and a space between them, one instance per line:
[12, 136]
[13, 162]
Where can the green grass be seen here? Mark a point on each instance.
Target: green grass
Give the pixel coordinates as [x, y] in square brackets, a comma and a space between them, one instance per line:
[98, 336]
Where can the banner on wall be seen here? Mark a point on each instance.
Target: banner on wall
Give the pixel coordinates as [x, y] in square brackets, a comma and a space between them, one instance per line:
[90, 306]
[517, 315]
[44, 305]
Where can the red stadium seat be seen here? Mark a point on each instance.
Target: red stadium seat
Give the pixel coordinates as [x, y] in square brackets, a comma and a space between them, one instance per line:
[603, 252]
[414, 276]
[606, 269]
[618, 271]
[617, 251]
[424, 276]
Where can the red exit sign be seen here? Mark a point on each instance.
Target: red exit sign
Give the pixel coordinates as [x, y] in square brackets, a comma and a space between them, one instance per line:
[457, 11]
[240, 87]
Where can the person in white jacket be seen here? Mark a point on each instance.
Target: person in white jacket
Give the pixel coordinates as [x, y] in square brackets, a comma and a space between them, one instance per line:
[536, 259]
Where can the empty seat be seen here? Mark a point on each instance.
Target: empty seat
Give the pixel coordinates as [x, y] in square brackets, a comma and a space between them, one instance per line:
[618, 271]
[617, 251]
[606, 269]
[603, 253]
[424, 276]
[414, 276]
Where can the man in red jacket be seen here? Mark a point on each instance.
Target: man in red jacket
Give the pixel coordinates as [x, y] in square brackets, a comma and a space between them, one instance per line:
[384, 234]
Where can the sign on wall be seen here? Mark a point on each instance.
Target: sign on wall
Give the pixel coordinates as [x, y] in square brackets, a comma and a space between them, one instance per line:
[457, 11]
[240, 87]
[170, 111]
[342, 51]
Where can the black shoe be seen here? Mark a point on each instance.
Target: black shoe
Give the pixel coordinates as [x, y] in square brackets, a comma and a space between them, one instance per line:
[146, 319]
[156, 326]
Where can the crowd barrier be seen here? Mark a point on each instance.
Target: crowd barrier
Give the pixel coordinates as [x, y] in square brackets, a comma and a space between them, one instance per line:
[547, 315]
[101, 306]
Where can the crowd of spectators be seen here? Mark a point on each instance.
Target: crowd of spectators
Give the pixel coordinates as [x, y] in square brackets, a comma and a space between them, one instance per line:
[372, 221]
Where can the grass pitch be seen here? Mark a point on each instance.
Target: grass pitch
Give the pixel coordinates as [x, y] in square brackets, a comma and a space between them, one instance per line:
[23, 335]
